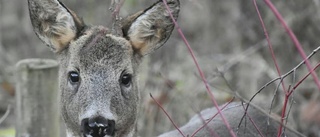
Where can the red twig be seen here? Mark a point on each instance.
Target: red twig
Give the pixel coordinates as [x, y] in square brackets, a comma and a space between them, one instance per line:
[283, 112]
[295, 41]
[288, 94]
[206, 123]
[198, 68]
[269, 42]
[299, 48]
[305, 77]
[253, 123]
[174, 124]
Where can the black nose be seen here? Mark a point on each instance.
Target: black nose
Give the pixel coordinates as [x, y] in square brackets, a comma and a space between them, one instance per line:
[97, 127]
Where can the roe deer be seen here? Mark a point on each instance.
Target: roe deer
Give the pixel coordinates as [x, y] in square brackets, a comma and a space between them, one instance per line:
[98, 70]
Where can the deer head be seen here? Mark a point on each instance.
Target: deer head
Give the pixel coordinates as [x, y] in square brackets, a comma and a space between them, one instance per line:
[98, 70]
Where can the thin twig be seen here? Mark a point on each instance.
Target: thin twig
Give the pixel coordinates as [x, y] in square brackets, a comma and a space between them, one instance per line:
[275, 93]
[173, 123]
[298, 46]
[288, 73]
[199, 69]
[253, 123]
[115, 7]
[243, 100]
[260, 110]
[270, 82]
[304, 78]
[280, 78]
[269, 42]
[242, 56]
[294, 40]
[206, 123]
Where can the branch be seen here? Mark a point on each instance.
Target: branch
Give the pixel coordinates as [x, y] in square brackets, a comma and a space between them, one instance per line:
[115, 7]
[204, 80]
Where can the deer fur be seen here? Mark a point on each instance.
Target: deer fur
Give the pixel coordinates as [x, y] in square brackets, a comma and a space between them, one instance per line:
[100, 60]
[254, 124]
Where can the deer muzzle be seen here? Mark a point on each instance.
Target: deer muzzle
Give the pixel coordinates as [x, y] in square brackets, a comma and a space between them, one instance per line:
[97, 127]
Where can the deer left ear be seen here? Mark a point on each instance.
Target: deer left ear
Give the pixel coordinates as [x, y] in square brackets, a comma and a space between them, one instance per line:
[150, 29]
[54, 23]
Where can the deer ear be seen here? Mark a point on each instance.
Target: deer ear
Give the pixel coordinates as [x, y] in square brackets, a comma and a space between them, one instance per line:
[54, 23]
[150, 29]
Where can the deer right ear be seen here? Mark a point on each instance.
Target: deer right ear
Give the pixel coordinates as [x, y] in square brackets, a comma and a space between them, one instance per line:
[150, 29]
[54, 23]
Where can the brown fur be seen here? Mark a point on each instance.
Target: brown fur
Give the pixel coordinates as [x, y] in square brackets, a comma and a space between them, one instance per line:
[63, 38]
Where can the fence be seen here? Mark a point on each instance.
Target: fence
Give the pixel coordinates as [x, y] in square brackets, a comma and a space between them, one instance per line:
[37, 98]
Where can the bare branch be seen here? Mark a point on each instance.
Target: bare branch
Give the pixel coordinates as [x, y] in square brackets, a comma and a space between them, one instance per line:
[115, 7]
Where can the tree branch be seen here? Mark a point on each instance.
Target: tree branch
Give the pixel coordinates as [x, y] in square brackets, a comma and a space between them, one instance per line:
[115, 7]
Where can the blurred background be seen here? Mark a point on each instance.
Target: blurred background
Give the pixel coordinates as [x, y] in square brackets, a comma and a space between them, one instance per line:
[229, 44]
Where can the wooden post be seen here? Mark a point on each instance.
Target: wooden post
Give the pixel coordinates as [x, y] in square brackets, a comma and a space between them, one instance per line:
[37, 99]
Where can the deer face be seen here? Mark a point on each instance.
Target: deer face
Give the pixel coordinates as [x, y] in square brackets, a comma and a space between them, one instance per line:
[98, 83]
[98, 70]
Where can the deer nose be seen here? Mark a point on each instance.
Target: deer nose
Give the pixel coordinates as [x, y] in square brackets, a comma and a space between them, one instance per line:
[97, 127]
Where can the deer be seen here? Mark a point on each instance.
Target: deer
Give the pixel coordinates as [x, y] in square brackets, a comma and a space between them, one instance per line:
[99, 72]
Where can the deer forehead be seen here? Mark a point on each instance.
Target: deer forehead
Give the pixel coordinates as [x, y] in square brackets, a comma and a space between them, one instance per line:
[98, 47]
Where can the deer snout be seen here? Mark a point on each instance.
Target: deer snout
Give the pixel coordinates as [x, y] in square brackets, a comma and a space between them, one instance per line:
[97, 127]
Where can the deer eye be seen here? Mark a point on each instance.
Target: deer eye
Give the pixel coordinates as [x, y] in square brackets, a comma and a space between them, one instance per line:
[74, 77]
[126, 79]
